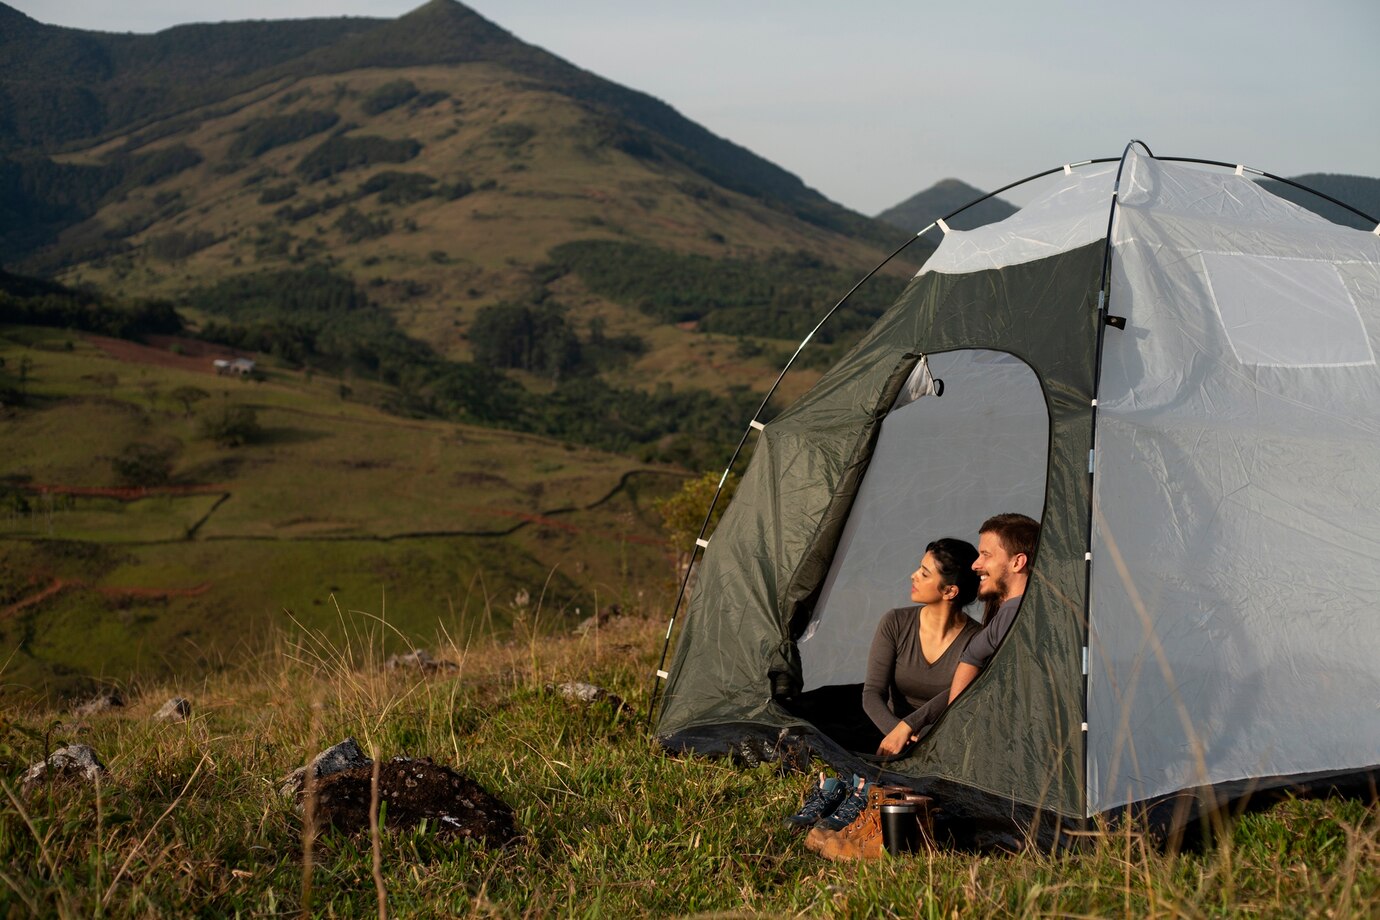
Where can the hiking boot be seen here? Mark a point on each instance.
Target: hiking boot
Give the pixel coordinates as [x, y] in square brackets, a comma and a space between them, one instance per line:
[848, 809]
[823, 798]
[842, 816]
[863, 838]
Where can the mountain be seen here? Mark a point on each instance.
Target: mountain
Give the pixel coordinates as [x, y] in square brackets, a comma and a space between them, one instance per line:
[942, 198]
[1359, 192]
[442, 166]
[58, 86]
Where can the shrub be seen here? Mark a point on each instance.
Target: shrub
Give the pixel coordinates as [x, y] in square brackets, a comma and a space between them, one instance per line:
[264, 134]
[395, 187]
[358, 226]
[388, 96]
[276, 193]
[230, 425]
[139, 465]
[341, 153]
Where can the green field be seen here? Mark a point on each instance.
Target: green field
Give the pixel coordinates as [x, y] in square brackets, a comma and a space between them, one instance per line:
[333, 503]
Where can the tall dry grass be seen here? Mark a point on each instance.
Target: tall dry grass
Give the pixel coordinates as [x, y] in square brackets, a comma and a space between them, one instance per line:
[189, 820]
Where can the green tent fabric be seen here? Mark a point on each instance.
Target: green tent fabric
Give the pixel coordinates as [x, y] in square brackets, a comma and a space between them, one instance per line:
[773, 546]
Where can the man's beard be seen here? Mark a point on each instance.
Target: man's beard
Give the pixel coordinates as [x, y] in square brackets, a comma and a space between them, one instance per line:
[993, 589]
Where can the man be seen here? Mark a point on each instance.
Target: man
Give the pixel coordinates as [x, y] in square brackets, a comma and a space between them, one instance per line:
[1006, 548]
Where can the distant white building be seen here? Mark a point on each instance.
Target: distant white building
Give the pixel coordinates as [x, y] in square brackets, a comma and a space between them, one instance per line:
[236, 367]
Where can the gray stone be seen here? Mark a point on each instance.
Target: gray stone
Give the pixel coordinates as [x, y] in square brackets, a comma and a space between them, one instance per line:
[106, 699]
[344, 756]
[590, 694]
[418, 659]
[176, 709]
[590, 624]
[76, 761]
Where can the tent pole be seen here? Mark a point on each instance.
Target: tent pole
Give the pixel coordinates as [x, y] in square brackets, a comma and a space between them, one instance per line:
[1103, 304]
[1290, 182]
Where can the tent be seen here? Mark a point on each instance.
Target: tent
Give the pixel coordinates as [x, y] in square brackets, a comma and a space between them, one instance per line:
[1172, 369]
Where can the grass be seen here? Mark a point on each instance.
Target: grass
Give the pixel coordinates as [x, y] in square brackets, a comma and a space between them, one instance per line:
[188, 819]
[336, 498]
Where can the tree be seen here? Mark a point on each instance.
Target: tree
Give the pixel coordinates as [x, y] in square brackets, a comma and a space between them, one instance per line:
[140, 465]
[682, 514]
[231, 426]
[188, 396]
[531, 338]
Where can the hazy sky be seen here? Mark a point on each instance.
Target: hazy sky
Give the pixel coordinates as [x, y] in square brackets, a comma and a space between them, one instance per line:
[873, 100]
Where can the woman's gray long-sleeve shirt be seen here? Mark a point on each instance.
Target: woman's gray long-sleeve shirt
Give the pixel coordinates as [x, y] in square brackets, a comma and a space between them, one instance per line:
[899, 680]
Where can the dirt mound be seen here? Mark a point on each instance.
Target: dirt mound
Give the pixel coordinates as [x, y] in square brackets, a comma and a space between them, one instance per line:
[415, 791]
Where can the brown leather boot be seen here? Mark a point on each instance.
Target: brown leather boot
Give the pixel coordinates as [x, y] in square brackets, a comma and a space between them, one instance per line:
[863, 838]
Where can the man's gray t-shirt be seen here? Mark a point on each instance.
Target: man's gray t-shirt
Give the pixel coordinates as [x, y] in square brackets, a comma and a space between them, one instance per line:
[979, 651]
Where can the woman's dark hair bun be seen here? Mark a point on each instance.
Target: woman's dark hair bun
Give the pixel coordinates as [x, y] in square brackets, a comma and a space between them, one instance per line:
[954, 558]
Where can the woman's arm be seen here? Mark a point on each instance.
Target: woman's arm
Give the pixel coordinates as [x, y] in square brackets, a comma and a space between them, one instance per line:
[881, 664]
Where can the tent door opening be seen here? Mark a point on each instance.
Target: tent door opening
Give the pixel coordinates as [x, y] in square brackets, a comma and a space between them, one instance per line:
[942, 465]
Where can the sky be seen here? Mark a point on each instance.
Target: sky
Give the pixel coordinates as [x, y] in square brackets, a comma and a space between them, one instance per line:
[873, 100]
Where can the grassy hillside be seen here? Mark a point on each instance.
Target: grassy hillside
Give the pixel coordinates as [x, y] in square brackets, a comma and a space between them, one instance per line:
[188, 819]
[134, 539]
[443, 166]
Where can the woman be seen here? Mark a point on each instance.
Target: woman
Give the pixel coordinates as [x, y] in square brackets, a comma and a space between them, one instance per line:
[914, 655]
[916, 649]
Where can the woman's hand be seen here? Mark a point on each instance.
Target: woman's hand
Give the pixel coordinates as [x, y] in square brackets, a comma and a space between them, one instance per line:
[896, 740]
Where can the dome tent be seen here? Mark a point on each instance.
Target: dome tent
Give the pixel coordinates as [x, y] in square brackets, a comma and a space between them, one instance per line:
[1174, 371]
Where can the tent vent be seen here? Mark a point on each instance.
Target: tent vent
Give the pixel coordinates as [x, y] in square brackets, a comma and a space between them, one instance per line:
[1116, 322]
[662, 675]
[943, 226]
[756, 425]
[702, 543]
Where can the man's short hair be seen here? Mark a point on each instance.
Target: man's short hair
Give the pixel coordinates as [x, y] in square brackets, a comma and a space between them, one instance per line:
[1017, 533]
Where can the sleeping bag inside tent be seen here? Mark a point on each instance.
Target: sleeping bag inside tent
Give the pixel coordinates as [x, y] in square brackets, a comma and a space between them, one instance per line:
[1175, 373]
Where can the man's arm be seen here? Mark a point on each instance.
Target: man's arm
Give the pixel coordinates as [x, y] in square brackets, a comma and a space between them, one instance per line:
[964, 675]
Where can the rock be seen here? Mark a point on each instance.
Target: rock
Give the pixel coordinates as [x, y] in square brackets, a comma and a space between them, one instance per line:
[419, 659]
[599, 619]
[590, 694]
[344, 756]
[176, 709]
[106, 699]
[76, 761]
[418, 790]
